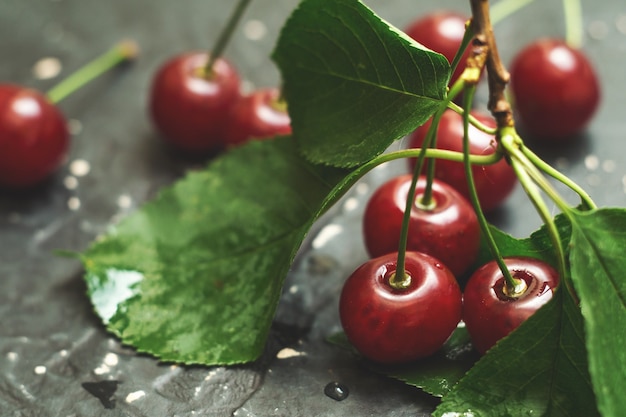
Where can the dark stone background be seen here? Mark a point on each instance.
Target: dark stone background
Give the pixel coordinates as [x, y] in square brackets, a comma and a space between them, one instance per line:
[56, 359]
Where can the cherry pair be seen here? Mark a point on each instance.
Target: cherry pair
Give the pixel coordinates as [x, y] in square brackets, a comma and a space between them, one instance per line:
[391, 319]
[201, 109]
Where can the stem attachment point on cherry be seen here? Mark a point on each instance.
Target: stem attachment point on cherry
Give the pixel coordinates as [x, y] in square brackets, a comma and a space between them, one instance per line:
[400, 283]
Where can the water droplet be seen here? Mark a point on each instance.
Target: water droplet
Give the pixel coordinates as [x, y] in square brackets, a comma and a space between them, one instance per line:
[40, 370]
[336, 390]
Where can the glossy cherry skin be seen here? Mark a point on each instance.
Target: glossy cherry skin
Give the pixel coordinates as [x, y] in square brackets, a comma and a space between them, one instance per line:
[34, 138]
[555, 88]
[191, 108]
[442, 32]
[390, 325]
[489, 314]
[449, 230]
[494, 183]
[258, 115]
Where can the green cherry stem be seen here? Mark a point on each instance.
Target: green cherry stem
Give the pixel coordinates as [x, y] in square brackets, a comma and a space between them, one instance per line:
[474, 121]
[513, 286]
[549, 170]
[573, 23]
[425, 201]
[225, 35]
[121, 52]
[528, 179]
[339, 190]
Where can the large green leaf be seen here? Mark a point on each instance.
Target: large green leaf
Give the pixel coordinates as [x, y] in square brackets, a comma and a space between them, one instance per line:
[195, 275]
[597, 260]
[538, 370]
[353, 82]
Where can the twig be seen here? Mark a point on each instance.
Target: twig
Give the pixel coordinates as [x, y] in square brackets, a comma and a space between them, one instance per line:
[497, 75]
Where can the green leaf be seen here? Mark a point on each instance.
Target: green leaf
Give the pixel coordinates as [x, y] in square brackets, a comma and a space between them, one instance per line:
[538, 370]
[598, 270]
[353, 82]
[435, 375]
[196, 274]
[538, 245]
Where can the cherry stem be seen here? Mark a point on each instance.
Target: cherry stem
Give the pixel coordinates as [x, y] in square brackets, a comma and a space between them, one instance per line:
[573, 23]
[523, 169]
[548, 169]
[473, 120]
[513, 286]
[225, 36]
[425, 200]
[505, 8]
[123, 51]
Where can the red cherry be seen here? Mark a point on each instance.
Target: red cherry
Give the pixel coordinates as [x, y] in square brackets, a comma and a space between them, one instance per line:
[555, 89]
[34, 138]
[448, 230]
[494, 183]
[261, 114]
[190, 108]
[442, 32]
[489, 313]
[392, 325]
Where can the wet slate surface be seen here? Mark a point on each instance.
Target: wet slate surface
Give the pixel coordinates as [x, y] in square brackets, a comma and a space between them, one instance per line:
[55, 356]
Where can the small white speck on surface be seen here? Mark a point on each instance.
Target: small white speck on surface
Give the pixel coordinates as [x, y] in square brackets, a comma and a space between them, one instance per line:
[134, 396]
[12, 356]
[80, 167]
[75, 126]
[362, 188]
[40, 370]
[111, 359]
[609, 166]
[598, 29]
[46, 68]
[293, 289]
[592, 162]
[63, 353]
[124, 201]
[101, 370]
[254, 30]
[70, 182]
[326, 234]
[351, 204]
[73, 203]
[287, 353]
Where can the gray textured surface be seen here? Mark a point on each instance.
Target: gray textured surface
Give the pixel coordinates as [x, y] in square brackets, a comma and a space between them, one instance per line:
[50, 341]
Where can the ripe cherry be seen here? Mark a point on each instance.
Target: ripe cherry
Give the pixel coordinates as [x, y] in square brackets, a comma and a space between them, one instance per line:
[393, 321]
[447, 229]
[494, 183]
[189, 105]
[442, 32]
[490, 312]
[259, 115]
[555, 88]
[34, 139]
